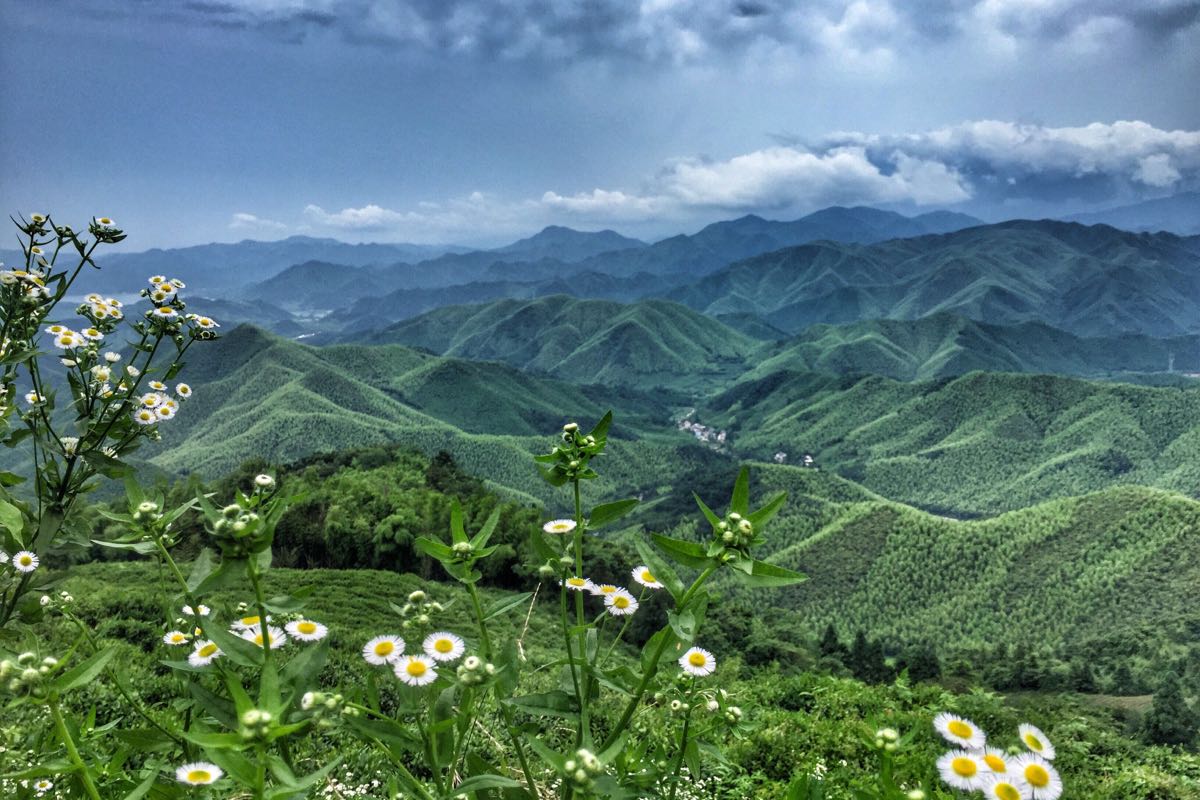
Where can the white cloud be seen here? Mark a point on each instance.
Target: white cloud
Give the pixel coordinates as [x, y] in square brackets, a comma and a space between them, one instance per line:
[1156, 170]
[243, 221]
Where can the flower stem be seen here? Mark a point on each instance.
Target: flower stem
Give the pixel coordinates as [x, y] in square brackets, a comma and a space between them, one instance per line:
[64, 735]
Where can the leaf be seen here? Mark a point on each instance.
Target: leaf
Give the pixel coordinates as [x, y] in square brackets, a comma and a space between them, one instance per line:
[691, 756]
[86, 671]
[12, 519]
[434, 549]
[235, 648]
[384, 730]
[660, 569]
[457, 532]
[652, 645]
[302, 671]
[740, 502]
[601, 429]
[485, 533]
[505, 604]
[226, 574]
[202, 567]
[690, 554]
[610, 512]
[763, 515]
[143, 788]
[709, 514]
[683, 624]
[549, 704]
[221, 709]
[477, 783]
[763, 575]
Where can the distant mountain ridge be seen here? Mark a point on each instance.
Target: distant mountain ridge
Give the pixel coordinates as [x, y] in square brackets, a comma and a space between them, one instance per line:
[1179, 214]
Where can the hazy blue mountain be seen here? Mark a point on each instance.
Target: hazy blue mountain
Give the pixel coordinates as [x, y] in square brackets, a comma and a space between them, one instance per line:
[566, 244]
[1090, 281]
[1177, 214]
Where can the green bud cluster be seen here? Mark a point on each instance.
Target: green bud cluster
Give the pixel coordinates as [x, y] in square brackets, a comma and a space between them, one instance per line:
[735, 531]
[887, 739]
[325, 707]
[419, 610]
[256, 724]
[570, 460]
[582, 769]
[474, 671]
[26, 675]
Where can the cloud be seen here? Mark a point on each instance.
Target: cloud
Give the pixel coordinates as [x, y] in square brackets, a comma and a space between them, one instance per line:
[665, 30]
[242, 221]
[462, 219]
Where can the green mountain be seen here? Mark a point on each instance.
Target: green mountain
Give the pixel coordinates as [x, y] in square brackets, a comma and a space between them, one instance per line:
[946, 344]
[647, 345]
[1178, 213]
[1095, 281]
[566, 244]
[982, 443]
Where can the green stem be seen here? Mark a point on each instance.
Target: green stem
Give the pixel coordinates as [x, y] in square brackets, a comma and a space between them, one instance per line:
[261, 605]
[260, 772]
[415, 784]
[64, 735]
[648, 674]
[687, 723]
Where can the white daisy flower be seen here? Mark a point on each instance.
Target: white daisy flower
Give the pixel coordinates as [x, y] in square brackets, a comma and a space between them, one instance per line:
[178, 284]
[200, 610]
[92, 334]
[963, 769]
[443, 646]
[157, 386]
[159, 296]
[604, 589]
[132, 371]
[183, 390]
[416, 670]
[114, 302]
[559, 526]
[1036, 741]
[100, 312]
[206, 323]
[101, 373]
[175, 638]
[165, 411]
[145, 416]
[698, 662]
[106, 222]
[205, 653]
[163, 312]
[246, 623]
[25, 561]
[645, 577]
[68, 340]
[1005, 788]
[577, 584]
[1040, 774]
[996, 760]
[276, 638]
[383, 650]
[93, 298]
[960, 731]
[621, 603]
[55, 330]
[305, 630]
[112, 357]
[42, 786]
[166, 287]
[70, 444]
[33, 398]
[155, 280]
[151, 400]
[200, 773]
[68, 362]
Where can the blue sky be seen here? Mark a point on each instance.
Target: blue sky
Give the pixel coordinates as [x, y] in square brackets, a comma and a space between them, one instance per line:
[476, 121]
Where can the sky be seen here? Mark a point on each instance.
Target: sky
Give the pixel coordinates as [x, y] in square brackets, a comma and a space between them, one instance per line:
[480, 121]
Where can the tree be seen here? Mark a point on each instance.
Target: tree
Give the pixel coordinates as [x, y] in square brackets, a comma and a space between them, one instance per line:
[831, 646]
[1170, 719]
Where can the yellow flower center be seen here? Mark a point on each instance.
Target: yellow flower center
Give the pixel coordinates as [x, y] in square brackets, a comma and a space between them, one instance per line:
[307, 628]
[575, 581]
[1037, 776]
[416, 668]
[621, 601]
[258, 639]
[697, 659]
[1034, 743]
[1006, 791]
[207, 650]
[26, 561]
[607, 589]
[177, 637]
[249, 620]
[995, 762]
[648, 577]
[384, 649]
[107, 221]
[443, 645]
[965, 767]
[960, 729]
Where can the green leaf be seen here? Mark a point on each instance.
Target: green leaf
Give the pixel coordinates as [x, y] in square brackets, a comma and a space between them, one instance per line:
[478, 783]
[764, 515]
[610, 512]
[505, 605]
[690, 554]
[709, 514]
[548, 704]
[457, 532]
[229, 572]
[143, 788]
[235, 648]
[763, 575]
[220, 708]
[740, 502]
[12, 519]
[660, 569]
[683, 624]
[601, 429]
[652, 644]
[302, 671]
[434, 549]
[202, 567]
[485, 533]
[85, 672]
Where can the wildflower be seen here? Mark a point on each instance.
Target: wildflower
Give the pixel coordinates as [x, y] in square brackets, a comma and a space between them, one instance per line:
[175, 638]
[415, 670]
[959, 731]
[246, 623]
[145, 416]
[55, 330]
[157, 386]
[183, 390]
[165, 411]
[559, 526]
[93, 298]
[163, 312]
[1005, 789]
[264, 482]
[200, 610]
[68, 362]
[178, 284]
[205, 653]
[68, 340]
[92, 334]
[383, 650]
[645, 577]
[620, 604]
[152, 399]
[1036, 741]
[33, 398]
[604, 589]
[155, 280]
[70, 444]
[276, 638]
[1040, 774]
[200, 773]
[577, 584]
[112, 357]
[101, 373]
[105, 222]
[963, 770]
[698, 662]
[306, 630]
[132, 371]
[25, 561]
[205, 322]
[443, 646]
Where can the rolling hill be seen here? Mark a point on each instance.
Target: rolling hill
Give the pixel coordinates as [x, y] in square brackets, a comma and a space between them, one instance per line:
[650, 344]
[978, 444]
[1178, 213]
[1089, 281]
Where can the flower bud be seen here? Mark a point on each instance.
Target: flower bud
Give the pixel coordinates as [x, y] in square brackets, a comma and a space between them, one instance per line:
[915, 794]
[712, 705]
[232, 511]
[264, 482]
[570, 427]
[888, 734]
[545, 572]
[462, 549]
